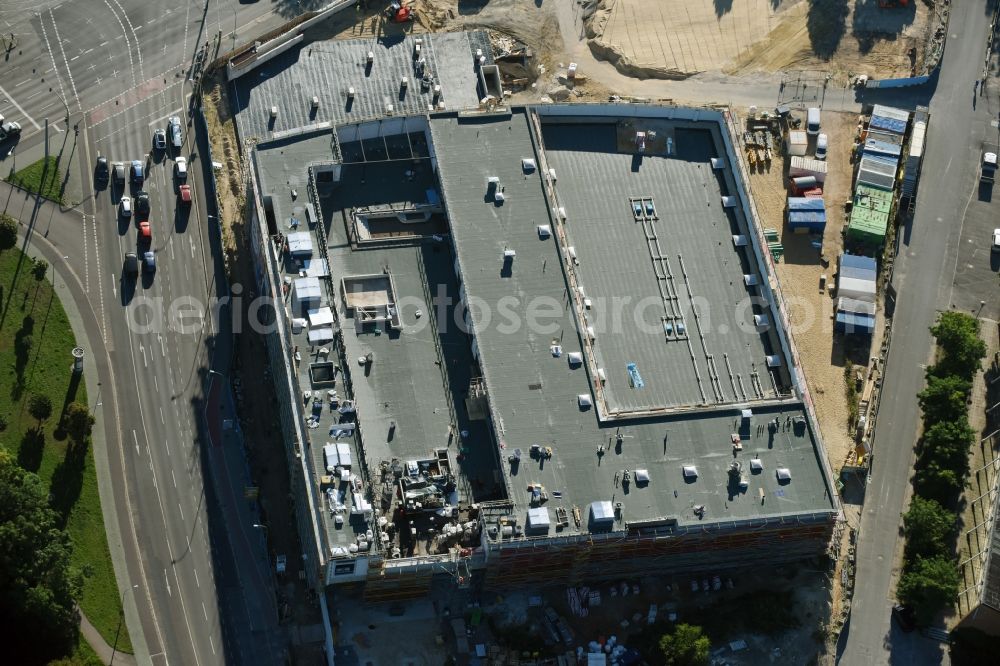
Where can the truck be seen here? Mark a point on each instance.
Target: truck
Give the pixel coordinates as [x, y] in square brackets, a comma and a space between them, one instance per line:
[987, 167]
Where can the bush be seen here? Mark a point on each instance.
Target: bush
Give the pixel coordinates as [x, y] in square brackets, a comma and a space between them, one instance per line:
[78, 422]
[962, 350]
[944, 399]
[40, 407]
[685, 646]
[948, 442]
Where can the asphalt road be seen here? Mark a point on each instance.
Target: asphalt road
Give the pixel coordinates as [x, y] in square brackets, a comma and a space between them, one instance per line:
[925, 271]
[117, 69]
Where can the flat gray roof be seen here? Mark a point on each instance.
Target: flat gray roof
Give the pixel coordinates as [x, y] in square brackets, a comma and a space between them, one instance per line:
[327, 69]
[534, 395]
[647, 276]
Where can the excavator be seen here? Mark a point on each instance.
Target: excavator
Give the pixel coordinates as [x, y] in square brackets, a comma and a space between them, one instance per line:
[397, 12]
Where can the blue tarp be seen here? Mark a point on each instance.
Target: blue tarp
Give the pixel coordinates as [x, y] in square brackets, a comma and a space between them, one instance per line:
[634, 376]
[880, 148]
[848, 260]
[805, 203]
[889, 118]
[854, 323]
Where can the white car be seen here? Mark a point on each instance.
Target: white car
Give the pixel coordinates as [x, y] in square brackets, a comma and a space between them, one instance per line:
[9, 129]
[181, 166]
[996, 241]
[174, 130]
[125, 207]
[822, 143]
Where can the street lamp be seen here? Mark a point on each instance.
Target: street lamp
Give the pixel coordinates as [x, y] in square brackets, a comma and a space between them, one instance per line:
[121, 614]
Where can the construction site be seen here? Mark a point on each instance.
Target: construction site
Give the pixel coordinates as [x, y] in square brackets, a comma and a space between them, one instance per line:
[483, 381]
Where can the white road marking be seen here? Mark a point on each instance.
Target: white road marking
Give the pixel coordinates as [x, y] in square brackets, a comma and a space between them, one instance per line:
[204, 612]
[197, 583]
[17, 85]
[161, 416]
[145, 363]
[97, 262]
[173, 478]
[135, 438]
[104, 43]
[52, 56]
[181, 509]
[74, 58]
[131, 63]
[138, 49]
[69, 72]
[18, 107]
[211, 644]
[191, 239]
[156, 384]
[114, 284]
[167, 579]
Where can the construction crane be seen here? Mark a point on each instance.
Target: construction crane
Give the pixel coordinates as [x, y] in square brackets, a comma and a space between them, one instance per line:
[396, 12]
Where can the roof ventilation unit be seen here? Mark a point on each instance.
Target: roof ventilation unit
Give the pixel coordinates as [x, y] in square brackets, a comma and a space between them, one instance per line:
[575, 359]
[718, 163]
[528, 165]
[571, 253]
[315, 102]
[350, 93]
[274, 112]
[508, 255]
[388, 109]
[585, 401]
[371, 57]
[750, 280]
[756, 466]
[761, 321]
[552, 175]
[739, 240]
[773, 361]
[690, 472]
[416, 50]
[641, 477]
[544, 231]
[784, 475]
[404, 82]
[591, 333]
[601, 375]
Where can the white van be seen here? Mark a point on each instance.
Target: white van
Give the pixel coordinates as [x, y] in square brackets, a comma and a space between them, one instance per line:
[812, 120]
[822, 144]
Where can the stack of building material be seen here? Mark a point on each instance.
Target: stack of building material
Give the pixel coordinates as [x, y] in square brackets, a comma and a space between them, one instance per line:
[856, 286]
[806, 215]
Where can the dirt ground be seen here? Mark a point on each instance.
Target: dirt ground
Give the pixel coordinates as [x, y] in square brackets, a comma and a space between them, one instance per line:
[679, 38]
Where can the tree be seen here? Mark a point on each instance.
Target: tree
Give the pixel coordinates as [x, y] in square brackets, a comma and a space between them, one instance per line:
[38, 269]
[8, 232]
[944, 398]
[938, 482]
[962, 350]
[40, 407]
[77, 421]
[686, 646]
[928, 585]
[948, 442]
[37, 583]
[927, 526]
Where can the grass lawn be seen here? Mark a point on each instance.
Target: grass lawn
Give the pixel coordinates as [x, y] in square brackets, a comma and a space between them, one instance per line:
[29, 308]
[30, 178]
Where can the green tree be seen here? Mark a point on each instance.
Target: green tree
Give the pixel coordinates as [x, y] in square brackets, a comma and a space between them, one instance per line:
[40, 407]
[8, 232]
[944, 398]
[37, 582]
[686, 646]
[929, 585]
[962, 350]
[938, 482]
[948, 442]
[927, 526]
[38, 269]
[77, 421]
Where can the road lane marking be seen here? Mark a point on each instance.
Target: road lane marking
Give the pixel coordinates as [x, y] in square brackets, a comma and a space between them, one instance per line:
[161, 417]
[135, 438]
[52, 56]
[175, 112]
[131, 62]
[203, 611]
[211, 644]
[191, 240]
[145, 363]
[114, 284]
[17, 85]
[138, 49]
[156, 384]
[97, 262]
[197, 583]
[166, 578]
[69, 72]
[18, 107]
[173, 478]
[181, 509]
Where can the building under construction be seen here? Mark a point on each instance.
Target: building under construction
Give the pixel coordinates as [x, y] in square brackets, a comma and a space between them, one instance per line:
[534, 345]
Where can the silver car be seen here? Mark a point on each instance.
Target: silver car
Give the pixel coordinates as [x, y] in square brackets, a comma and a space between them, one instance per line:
[160, 139]
[176, 138]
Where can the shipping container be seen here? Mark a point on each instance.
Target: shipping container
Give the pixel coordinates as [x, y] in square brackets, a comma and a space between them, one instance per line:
[806, 166]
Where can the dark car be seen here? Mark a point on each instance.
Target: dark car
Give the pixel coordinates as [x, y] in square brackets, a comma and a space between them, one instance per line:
[149, 262]
[142, 205]
[905, 617]
[131, 265]
[101, 172]
[119, 173]
[137, 176]
[185, 194]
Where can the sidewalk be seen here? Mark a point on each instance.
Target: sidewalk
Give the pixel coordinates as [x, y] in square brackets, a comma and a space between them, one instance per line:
[63, 146]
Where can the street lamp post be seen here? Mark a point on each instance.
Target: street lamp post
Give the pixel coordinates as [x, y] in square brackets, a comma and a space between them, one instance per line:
[121, 614]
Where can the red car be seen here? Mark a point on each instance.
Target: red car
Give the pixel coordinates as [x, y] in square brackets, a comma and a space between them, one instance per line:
[145, 232]
[185, 194]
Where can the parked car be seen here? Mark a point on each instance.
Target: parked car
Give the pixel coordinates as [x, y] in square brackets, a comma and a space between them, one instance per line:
[101, 171]
[125, 207]
[822, 143]
[149, 261]
[131, 266]
[119, 170]
[159, 139]
[137, 176]
[9, 129]
[184, 191]
[174, 127]
[142, 205]
[996, 241]
[181, 167]
[145, 233]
